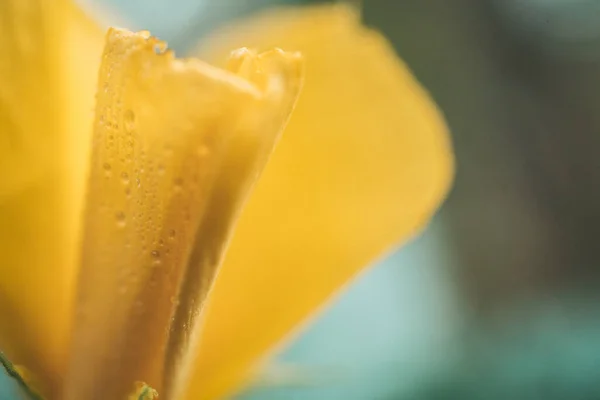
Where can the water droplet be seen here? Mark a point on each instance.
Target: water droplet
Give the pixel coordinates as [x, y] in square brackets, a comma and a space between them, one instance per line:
[155, 256]
[174, 300]
[125, 178]
[137, 181]
[172, 234]
[160, 169]
[107, 169]
[128, 192]
[178, 183]
[121, 220]
[129, 121]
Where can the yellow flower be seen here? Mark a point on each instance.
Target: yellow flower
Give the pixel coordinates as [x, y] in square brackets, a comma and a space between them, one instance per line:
[117, 210]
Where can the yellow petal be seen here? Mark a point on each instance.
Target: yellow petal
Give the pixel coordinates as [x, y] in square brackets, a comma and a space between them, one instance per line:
[46, 100]
[177, 146]
[363, 164]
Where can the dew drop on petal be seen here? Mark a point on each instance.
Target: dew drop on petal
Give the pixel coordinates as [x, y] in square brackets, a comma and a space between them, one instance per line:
[178, 184]
[155, 257]
[129, 121]
[125, 178]
[107, 169]
[121, 219]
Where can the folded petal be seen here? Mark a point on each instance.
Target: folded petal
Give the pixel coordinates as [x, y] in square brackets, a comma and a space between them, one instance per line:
[177, 145]
[47, 74]
[363, 164]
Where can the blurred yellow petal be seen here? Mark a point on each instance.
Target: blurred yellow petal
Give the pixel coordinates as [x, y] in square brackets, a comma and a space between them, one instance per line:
[47, 77]
[363, 164]
[177, 146]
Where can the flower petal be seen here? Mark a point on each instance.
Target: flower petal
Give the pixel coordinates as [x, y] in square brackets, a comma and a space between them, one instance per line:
[363, 164]
[46, 101]
[177, 146]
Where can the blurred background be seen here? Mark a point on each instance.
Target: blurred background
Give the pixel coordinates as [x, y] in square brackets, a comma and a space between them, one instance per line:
[499, 298]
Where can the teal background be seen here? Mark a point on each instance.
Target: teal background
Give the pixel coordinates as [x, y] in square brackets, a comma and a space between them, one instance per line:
[9, 389]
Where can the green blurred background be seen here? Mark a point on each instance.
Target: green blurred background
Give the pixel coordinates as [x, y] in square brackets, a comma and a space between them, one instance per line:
[499, 298]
